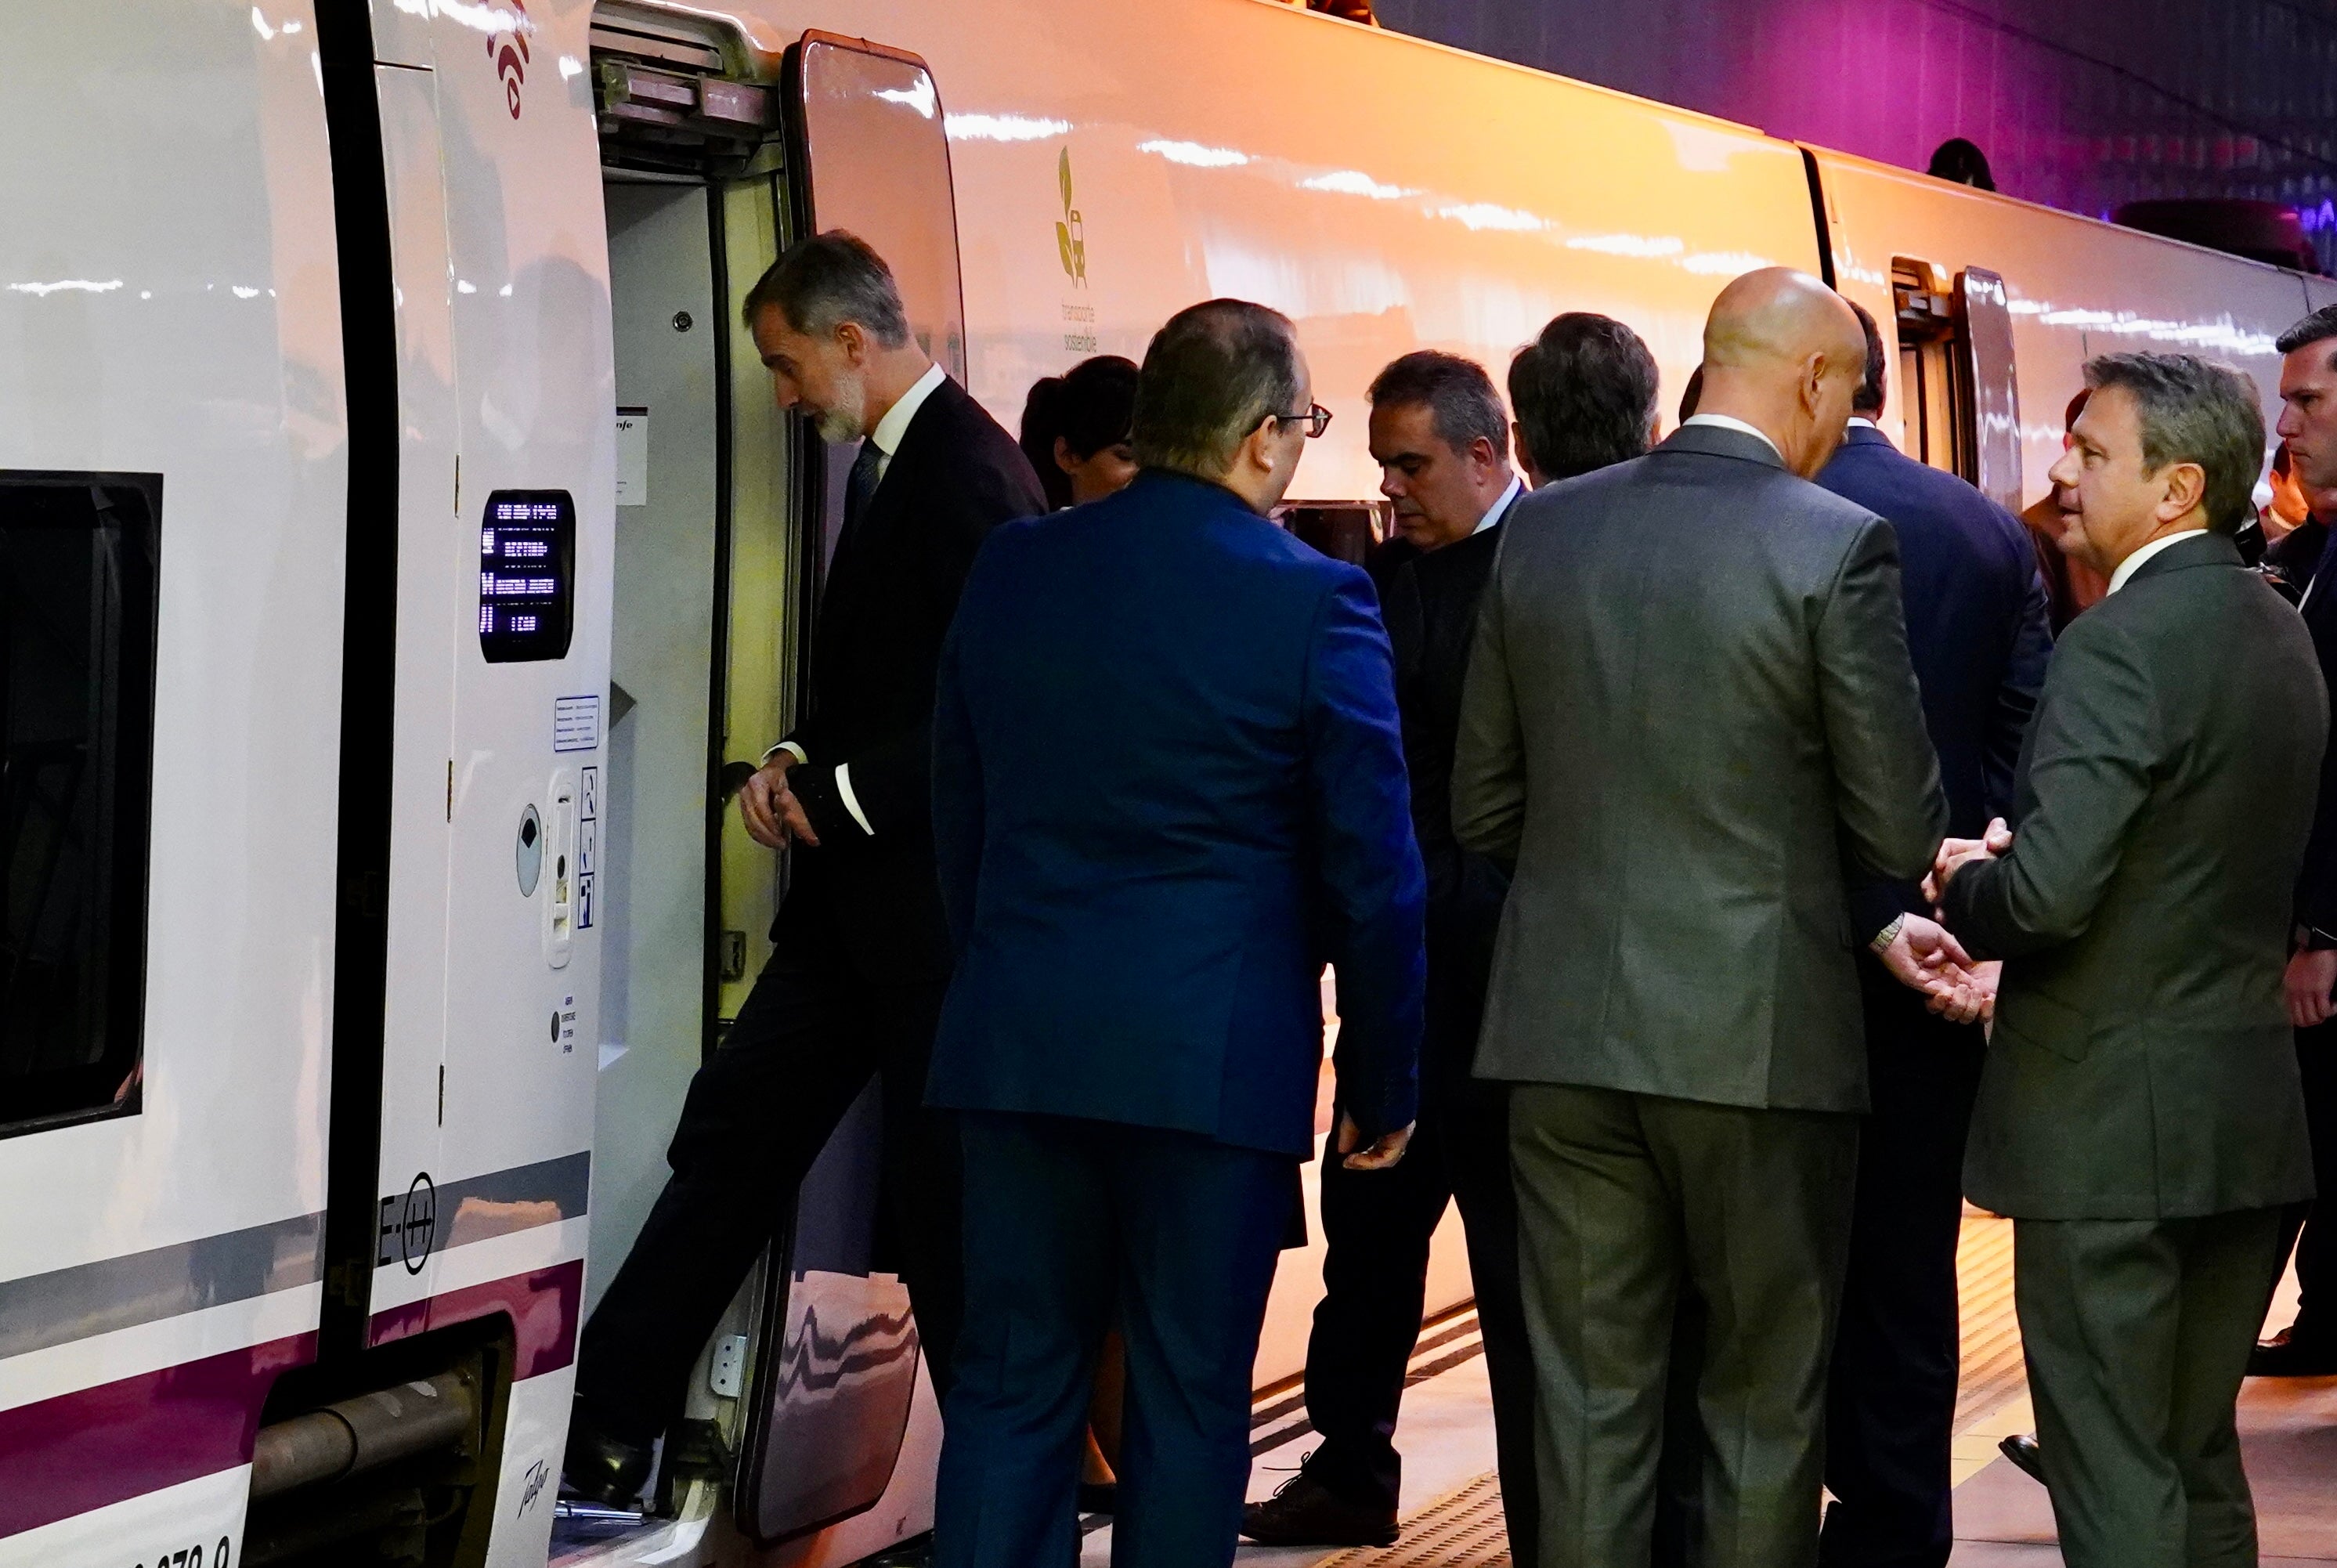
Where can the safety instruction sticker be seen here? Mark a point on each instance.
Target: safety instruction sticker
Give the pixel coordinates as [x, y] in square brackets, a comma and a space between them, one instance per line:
[575, 723]
[588, 847]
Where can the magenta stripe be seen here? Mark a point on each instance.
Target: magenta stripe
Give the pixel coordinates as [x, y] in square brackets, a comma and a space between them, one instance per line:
[98, 1447]
[543, 1304]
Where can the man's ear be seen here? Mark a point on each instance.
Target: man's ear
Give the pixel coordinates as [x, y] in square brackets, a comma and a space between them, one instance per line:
[1256, 449]
[1482, 454]
[2184, 486]
[853, 340]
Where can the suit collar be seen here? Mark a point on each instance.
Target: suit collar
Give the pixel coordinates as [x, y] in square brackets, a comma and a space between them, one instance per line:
[2209, 549]
[1718, 441]
[891, 428]
[1866, 436]
[1189, 487]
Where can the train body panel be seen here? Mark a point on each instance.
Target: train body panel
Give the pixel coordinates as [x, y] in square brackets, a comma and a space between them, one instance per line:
[170, 344]
[2076, 287]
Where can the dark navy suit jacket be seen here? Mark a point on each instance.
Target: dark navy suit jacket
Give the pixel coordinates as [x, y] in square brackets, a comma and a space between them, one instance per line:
[1168, 783]
[1978, 629]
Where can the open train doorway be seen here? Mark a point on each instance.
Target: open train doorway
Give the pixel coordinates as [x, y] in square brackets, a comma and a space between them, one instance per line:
[809, 1422]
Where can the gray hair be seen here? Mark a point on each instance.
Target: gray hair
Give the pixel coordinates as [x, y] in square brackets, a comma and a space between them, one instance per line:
[828, 279]
[2193, 410]
[2317, 327]
[1211, 374]
[1457, 393]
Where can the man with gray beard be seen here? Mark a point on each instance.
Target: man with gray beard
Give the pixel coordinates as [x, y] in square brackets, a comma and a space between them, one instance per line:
[861, 954]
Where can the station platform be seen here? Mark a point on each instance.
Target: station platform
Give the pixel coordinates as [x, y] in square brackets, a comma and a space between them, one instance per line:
[1452, 1505]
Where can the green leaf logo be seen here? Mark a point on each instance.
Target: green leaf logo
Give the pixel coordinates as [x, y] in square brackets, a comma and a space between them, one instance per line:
[1063, 243]
[1063, 177]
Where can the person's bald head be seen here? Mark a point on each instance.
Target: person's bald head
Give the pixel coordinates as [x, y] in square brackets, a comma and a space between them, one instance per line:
[1785, 354]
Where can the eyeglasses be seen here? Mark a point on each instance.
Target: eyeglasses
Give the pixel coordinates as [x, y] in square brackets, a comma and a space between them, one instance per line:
[1317, 419]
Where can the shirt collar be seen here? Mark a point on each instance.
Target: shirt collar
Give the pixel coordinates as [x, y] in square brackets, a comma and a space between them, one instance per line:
[896, 423]
[1727, 422]
[2133, 563]
[1499, 509]
[1861, 422]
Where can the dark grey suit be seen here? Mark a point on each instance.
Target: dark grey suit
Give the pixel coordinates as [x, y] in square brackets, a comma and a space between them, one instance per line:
[2139, 1115]
[1690, 694]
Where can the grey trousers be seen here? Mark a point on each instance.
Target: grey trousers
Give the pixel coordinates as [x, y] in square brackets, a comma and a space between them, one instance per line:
[2137, 1334]
[1624, 1202]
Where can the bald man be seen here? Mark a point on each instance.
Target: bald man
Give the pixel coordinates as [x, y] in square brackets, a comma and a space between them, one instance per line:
[1689, 699]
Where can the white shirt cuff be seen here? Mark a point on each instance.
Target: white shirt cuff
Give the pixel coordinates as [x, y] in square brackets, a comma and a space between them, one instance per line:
[851, 801]
[790, 747]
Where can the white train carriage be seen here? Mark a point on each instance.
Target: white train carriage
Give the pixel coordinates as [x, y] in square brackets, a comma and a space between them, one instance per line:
[399, 555]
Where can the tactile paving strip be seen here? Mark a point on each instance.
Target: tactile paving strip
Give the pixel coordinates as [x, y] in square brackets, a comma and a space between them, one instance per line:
[1994, 1374]
[1463, 1530]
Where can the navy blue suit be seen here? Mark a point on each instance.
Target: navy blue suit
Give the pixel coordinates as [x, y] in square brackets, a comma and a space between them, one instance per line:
[1168, 784]
[1977, 632]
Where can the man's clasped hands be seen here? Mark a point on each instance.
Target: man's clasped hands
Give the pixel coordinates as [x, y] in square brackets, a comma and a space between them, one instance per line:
[1924, 955]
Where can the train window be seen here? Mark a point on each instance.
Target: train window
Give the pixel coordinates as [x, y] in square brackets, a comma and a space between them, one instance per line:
[78, 554]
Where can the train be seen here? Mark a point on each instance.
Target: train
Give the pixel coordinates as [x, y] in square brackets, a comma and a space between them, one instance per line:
[403, 558]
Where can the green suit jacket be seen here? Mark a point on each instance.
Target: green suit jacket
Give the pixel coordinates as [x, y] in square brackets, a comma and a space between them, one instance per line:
[2142, 1066]
[1689, 694]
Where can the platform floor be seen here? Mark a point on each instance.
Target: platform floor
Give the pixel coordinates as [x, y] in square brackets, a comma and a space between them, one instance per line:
[1451, 1501]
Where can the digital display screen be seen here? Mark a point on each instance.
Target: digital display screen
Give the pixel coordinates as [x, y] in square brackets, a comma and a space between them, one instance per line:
[527, 558]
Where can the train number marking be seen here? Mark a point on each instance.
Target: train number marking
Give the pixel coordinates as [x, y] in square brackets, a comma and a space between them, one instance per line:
[191, 1557]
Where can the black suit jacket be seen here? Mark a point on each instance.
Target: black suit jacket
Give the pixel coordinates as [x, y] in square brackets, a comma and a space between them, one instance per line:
[1431, 610]
[891, 589]
[1978, 631]
[2299, 556]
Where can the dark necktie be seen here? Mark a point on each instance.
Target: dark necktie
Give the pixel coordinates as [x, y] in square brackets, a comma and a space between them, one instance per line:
[862, 484]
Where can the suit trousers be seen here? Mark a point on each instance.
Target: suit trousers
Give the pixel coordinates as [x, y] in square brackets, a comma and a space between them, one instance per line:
[1625, 1200]
[2316, 1247]
[819, 1024]
[1067, 1222]
[1891, 1393]
[2137, 1334]
[1376, 1226]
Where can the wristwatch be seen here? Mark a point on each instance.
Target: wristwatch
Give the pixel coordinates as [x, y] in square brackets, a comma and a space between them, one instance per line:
[1888, 935]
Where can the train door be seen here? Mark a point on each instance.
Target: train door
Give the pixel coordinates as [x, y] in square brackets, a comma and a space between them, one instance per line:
[810, 1397]
[1959, 398]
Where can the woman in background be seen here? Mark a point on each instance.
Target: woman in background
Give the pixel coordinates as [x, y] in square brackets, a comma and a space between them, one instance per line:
[1075, 430]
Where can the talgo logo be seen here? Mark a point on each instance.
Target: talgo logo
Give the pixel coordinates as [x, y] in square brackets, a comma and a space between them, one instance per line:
[508, 50]
[1071, 237]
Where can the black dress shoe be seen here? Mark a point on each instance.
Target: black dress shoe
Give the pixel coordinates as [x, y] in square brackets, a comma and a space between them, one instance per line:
[2289, 1354]
[603, 1468]
[2022, 1449]
[1305, 1513]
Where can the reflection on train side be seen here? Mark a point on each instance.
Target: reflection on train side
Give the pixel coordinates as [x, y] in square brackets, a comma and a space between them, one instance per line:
[847, 1372]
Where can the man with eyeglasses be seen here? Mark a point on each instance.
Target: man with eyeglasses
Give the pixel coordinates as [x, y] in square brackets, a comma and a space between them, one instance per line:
[1442, 439]
[1168, 782]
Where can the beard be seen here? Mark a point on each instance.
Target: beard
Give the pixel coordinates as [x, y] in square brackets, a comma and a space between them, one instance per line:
[846, 417]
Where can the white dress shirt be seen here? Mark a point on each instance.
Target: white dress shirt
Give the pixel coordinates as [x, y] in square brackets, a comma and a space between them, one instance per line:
[1860, 421]
[2133, 563]
[887, 437]
[1725, 422]
[1500, 508]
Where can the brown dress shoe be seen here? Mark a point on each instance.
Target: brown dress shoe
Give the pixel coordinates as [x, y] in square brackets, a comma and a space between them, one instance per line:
[1304, 1512]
